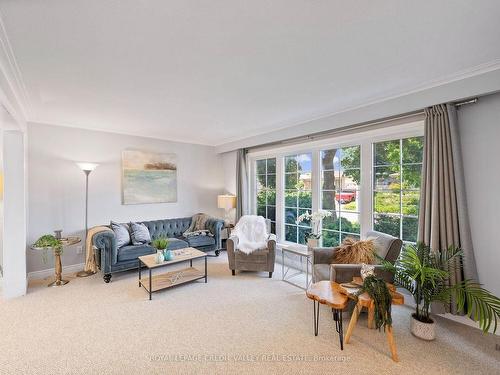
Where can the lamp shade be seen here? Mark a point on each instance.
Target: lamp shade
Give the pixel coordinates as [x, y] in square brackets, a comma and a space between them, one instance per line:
[226, 201]
[87, 166]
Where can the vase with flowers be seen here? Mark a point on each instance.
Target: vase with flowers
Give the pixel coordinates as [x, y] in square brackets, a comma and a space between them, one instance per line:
[314, 219]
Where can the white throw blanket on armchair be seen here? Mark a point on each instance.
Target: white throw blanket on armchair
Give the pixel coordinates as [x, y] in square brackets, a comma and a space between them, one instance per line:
[252, 234]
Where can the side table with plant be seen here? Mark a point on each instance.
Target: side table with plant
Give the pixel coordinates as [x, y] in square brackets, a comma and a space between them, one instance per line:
[49, 242]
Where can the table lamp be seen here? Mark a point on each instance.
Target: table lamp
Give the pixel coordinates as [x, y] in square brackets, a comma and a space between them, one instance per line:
[227, 202]
[86, 168]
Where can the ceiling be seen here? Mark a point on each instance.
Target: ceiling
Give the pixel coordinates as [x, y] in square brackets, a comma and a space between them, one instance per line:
[212, 72]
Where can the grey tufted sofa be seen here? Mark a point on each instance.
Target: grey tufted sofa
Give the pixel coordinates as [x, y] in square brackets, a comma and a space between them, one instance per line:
[111, 259]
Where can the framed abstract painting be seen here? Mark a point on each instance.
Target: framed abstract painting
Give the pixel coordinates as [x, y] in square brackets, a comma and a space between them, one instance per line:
[148, 177]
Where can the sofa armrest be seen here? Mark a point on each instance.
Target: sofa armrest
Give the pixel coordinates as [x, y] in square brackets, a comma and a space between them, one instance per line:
[105, 241]
[323, 255]
[344, 273]
[215, 225]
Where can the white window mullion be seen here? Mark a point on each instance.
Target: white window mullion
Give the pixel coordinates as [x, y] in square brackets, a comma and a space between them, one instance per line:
[366, 204]
[316, 181]
[252, 185]
[280, 199]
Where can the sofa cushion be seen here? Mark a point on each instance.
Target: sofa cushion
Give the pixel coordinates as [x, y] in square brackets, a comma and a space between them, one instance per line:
[131, 252]
[200, 241]
[122, 234]
[175, 244]
[139, 234]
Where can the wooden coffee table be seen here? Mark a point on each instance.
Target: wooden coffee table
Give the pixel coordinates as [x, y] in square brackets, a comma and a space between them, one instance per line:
[169, 279]
[328, 293]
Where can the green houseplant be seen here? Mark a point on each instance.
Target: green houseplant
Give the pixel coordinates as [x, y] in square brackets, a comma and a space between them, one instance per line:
[378, 291]
[424, 273]
[46, 242]
[160, 243]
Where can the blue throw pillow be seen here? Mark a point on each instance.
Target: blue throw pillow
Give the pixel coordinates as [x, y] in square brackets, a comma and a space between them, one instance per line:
[122, 234]
[139, 234]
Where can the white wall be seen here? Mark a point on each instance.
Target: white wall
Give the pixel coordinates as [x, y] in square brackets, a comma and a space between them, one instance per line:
[479, 126]
[229, 166]
[57, 185]
[473, 85]
[14, 210]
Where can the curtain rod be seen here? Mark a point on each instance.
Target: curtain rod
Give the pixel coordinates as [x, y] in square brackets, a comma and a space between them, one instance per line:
[465, 102]
[349, 128]
[332, 132]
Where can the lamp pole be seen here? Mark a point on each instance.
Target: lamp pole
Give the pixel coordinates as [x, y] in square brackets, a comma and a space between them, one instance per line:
[86, 168]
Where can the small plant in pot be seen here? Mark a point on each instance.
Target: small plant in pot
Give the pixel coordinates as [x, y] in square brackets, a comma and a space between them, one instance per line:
[161, 244]
[425, 273]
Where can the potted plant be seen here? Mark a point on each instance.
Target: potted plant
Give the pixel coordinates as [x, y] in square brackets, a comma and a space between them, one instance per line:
[315, 221]
[424, 273]
[46, 242]
[161, 244]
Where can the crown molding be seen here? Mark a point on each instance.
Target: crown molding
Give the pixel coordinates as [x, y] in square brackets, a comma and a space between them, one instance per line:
[470, 82]
[13, 93]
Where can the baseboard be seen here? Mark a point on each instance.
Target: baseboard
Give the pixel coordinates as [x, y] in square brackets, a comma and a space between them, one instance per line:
[42, 274]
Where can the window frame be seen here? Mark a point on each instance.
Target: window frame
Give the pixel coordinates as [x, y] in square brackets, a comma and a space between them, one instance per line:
[401, 166]
[297, 206]
[339, 231]
[255, 182]
[365, 139]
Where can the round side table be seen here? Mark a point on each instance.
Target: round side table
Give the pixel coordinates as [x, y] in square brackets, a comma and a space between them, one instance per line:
[68, 241]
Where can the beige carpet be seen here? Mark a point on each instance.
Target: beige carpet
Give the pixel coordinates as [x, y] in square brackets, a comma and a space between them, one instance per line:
[243, 324]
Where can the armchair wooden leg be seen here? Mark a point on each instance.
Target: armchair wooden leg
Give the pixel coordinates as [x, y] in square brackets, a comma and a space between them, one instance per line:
[233, 272]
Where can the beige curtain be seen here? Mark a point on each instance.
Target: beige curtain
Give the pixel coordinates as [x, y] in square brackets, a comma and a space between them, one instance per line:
[443, 219]
[241, 184]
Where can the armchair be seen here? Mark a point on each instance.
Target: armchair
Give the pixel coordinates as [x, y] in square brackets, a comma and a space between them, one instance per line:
[259, 260]
[386, 246]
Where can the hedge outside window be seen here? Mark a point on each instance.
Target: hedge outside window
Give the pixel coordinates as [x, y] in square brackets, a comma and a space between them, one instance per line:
[298, 196]
[340, 191]
[397, 167]
[266, 190]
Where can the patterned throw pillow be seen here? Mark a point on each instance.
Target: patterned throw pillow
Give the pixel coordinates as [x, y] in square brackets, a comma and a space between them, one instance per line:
[139, 234]
[122, 234]
[355, 252]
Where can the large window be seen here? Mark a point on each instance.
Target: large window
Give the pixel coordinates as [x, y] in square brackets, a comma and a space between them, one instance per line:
[340, 193]
[298, 195]
[266, 190]
[368, 181]
[397, 169]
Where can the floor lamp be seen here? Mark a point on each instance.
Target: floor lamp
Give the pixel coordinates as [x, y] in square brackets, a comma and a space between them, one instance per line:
[86, 168]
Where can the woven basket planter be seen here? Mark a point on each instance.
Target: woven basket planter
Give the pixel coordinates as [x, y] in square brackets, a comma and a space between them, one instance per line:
[424, 331]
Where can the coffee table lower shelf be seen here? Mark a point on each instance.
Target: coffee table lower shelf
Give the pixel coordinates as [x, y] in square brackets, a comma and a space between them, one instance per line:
[169, 279]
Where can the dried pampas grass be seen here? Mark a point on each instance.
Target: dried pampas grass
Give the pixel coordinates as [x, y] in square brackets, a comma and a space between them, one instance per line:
[355, 252]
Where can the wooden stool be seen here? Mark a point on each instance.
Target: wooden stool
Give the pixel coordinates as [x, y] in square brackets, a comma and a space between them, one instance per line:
[364, 300]
[328, 293]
